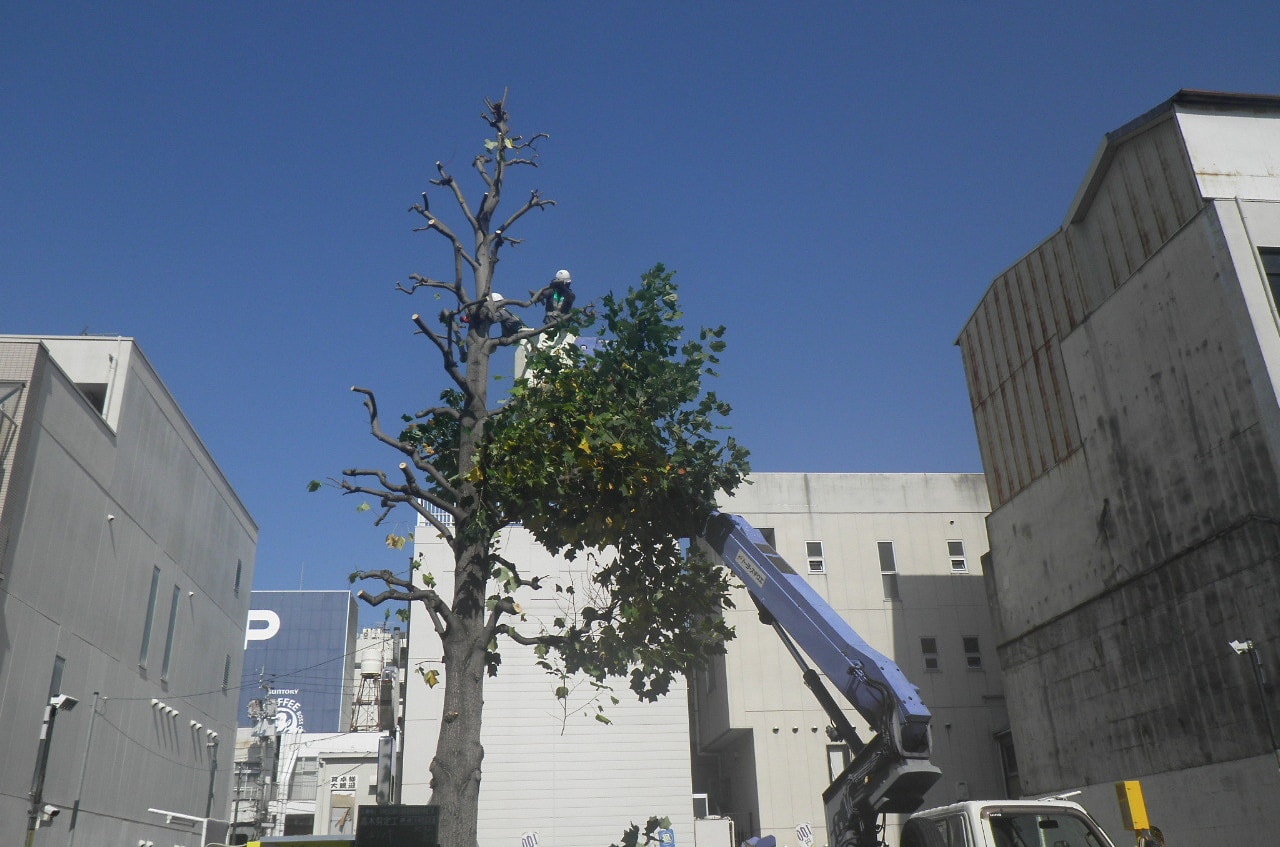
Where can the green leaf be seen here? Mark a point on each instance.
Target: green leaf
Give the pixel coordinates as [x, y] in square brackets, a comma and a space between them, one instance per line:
[363, 507]
[314, 485]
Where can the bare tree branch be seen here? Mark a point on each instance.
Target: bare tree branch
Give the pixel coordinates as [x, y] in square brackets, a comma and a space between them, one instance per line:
[447, 181]
[441, 614]
[445, 346]
[535, 201]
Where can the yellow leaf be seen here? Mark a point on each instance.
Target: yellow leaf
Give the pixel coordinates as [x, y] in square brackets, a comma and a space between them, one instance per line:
[432, 677]
[584, 446]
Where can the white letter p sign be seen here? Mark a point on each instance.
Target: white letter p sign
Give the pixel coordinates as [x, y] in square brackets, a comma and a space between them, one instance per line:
[261, 633]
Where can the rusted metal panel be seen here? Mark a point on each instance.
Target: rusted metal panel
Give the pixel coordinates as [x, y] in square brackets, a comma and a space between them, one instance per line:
[1154, 186]
[1068, 283]
[1003, 342]
[1037, 298]
[1023, 301]
[1039, 446]
[980, 333]
[1109, 242]
[1051, 414]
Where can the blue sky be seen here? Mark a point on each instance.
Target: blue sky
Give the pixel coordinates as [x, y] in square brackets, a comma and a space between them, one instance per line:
[837, 183]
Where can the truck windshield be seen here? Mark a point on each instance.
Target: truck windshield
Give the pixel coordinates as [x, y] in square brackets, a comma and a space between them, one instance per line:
[1043, 829]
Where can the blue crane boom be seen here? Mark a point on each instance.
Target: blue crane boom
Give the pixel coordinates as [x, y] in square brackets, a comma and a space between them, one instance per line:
[889, 773]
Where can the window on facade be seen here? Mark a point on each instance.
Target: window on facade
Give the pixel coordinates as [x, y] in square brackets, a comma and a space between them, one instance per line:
[1009, 764]
[95, 393]
[972, 653]
[838, 758]
[767, 532]
[151, 613]
[342, 782]
[1271, 265]
[55, 680]
[888, 570]
[813, 552]
[955, 550]
[929, 650]
[10, 393]
[302, 785]
[168, 638]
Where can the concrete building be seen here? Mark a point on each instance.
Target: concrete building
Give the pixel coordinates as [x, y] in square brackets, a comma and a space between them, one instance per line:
[1123, 378]
[125, 561]
[898, 556]
[554, 770]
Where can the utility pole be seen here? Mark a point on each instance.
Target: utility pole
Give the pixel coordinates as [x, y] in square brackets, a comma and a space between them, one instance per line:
[36, 810]
[84, 767]
[1247, 647]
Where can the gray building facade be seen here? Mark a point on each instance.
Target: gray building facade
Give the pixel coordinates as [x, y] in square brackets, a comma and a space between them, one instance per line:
[125, 565]
[1123, 380]
[898, 556]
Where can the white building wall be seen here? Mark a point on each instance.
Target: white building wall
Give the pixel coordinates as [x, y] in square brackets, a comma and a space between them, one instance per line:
[550, 767]
[90, 507]
[762, 733]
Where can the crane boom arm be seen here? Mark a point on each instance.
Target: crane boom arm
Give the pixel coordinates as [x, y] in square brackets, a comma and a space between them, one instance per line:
[892, 771]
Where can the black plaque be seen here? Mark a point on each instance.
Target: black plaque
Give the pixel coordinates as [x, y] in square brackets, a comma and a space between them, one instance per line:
[398, 826]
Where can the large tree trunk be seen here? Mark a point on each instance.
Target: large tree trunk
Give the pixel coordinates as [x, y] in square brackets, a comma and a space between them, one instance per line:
[455, 770]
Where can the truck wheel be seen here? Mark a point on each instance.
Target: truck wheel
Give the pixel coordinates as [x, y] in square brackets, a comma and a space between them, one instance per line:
[920, 832]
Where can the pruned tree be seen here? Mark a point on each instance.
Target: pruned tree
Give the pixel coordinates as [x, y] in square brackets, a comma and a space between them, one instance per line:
[614, 450]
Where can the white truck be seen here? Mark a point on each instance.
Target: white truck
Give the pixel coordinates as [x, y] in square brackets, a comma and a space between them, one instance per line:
[1005, 823]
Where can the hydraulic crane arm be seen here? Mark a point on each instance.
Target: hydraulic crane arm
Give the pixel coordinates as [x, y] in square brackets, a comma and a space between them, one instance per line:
[892, 771]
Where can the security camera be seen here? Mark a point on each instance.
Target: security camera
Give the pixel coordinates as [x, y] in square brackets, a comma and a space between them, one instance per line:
[1242, 647]
[47, 813]
[63, 702]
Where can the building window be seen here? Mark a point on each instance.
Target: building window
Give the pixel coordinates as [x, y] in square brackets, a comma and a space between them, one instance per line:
[343, 782]
[813, 552]
[767, 532]
[55, 681]
[955, 550]
[1009, 764]
[1271, 266]
[239, 574]
[888, 570]
[168, 638]
[10, 393]
[302, 785]
[972, 653]
[151, 613]
[929, 649]
[838, 758]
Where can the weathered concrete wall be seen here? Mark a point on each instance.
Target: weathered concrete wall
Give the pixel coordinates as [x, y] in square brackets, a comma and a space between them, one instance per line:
[1123, 566]
[1122, 575]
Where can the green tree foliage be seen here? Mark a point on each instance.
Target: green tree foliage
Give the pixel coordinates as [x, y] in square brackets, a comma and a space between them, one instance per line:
[617, 448]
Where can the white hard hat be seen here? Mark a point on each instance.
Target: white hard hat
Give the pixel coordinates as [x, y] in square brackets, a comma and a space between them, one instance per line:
[563, 276]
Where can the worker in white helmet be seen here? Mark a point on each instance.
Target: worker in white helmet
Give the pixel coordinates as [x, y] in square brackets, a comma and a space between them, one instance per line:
[557, 298]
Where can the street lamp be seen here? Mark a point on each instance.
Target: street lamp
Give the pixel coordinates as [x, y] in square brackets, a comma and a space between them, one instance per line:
[37, 810]
[1247, 647]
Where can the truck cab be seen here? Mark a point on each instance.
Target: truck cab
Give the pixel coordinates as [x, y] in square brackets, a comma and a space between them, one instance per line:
[1005, 823]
